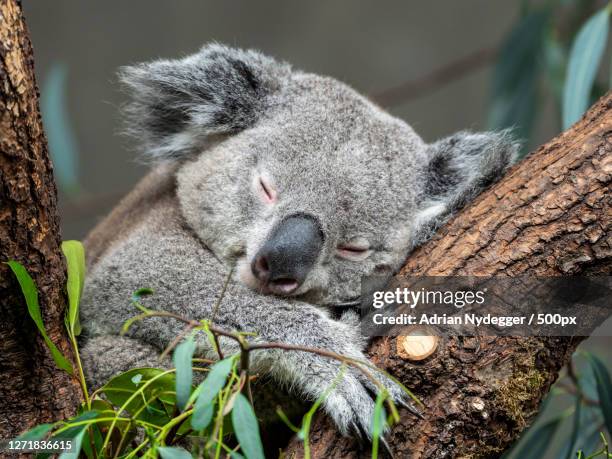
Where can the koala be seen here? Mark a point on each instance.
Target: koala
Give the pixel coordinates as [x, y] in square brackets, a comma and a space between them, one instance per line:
[291, 185]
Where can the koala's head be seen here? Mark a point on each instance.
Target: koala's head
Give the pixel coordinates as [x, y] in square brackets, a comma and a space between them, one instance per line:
[297, 179]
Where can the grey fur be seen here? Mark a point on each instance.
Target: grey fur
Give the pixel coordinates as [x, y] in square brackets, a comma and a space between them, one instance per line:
[327, 152]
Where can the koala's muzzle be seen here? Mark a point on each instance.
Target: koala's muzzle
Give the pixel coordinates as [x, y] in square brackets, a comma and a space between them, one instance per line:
[288, 255]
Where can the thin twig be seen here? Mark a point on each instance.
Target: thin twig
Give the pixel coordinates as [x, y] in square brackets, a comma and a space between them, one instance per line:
[176, 341]
[216, 308]
[247, 347]
[221, 294]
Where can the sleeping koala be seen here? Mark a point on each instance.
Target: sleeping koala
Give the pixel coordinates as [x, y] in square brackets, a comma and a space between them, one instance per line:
[295, 182]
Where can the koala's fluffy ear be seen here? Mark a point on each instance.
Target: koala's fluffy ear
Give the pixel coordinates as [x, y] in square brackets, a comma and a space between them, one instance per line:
[176, 104]
[460, 167]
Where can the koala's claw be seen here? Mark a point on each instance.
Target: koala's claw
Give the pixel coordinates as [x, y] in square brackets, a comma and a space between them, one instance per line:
[359, 432]
[383, 441]
[396, 393]
[350, 405]
[411, 408]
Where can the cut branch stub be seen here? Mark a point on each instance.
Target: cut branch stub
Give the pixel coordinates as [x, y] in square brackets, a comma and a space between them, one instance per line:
[417, 345]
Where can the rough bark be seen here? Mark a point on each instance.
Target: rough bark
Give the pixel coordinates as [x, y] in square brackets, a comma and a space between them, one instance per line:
[32, 389]
[550, 215]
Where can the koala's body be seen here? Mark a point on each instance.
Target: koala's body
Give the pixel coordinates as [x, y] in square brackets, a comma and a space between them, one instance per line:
[296, 183]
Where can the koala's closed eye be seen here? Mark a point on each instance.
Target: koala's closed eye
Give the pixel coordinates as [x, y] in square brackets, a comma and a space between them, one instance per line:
[357, 249]
[264, 189]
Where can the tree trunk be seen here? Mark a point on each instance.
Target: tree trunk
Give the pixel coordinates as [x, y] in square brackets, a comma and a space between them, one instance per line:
[32, 389]
[549, 216]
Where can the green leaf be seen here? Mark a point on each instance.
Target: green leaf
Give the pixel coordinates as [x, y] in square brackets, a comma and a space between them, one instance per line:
[604, 388]
[538, 440]
[575, 426]
[59, 129]
[208, 390]
[37, 433]
[75, 262]
[201, 419]
[173, 452]
[151, 404]
[588, 435]
[246, 428]
[584, 59]
[519, 50]
[141, 293]
[515, 78]
[183, 355]
[73, 433]
[91, 447]
[30, 293]
[592, 441]
[378, 423]
[76, 447]
[555, 57]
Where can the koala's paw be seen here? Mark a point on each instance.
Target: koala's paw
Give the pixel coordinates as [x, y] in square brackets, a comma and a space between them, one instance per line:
[351, 406]
[397, 394]
[351, 403]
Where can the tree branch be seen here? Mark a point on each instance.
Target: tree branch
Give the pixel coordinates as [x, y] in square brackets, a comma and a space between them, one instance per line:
[33, 390]
[550, 216]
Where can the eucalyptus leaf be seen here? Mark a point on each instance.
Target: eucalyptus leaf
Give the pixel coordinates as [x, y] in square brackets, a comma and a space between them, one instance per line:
[604, 388]
[76, 446]
[538, 440]
[151, 402]
[173, 452]
[59, 129]
[75, 262]
[515, 77]
[208, 390]
[584, 60]
[141, 293]
[93, 444]
[555, 57]
[30, 293]
[37, 433]
[576, 426]
[246, 428]
[588, 436]
[201, 418]
[73, 433]
[182, 358]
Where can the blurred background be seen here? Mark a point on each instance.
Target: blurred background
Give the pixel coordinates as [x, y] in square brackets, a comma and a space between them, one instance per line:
[442, 66]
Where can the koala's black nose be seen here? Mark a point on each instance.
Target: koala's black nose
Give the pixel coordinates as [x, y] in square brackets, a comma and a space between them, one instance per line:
[289, 253]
